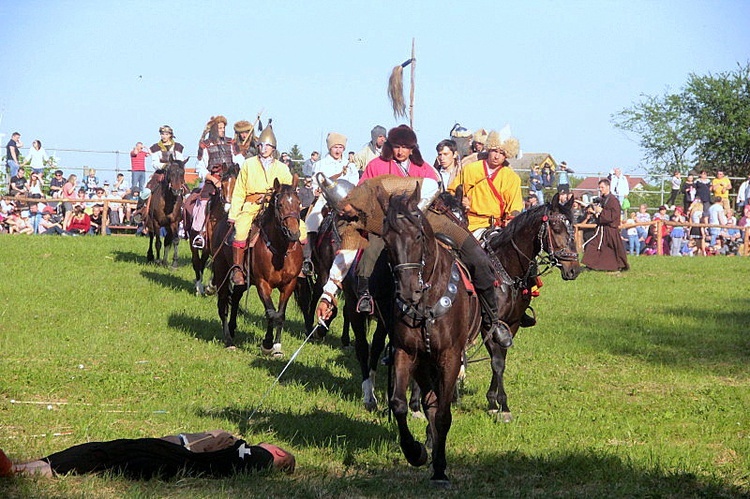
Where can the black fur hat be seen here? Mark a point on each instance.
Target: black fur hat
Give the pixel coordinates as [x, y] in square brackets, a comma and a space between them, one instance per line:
[402, 135]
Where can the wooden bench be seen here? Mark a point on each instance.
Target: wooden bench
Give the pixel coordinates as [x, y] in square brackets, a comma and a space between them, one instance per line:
[122, 229]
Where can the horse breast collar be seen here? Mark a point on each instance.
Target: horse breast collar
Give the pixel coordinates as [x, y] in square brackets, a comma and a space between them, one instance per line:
[445, 302]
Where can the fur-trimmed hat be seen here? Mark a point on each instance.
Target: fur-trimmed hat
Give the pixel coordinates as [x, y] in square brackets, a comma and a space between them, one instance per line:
[216, 120]
[480, 136]
[510, 146]
[335, 138]
[402, 135]
[243, 126]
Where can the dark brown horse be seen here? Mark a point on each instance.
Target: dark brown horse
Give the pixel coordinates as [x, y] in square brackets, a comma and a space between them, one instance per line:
[218, 207]
[275, 263]
[547, 228]
[165, 210]
[435, 317]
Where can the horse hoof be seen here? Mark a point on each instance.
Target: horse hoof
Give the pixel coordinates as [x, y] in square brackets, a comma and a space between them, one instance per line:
[210, 290]
[417, 415]
[421, 460]
[276, 352]
[506, 417]
[440, 483]
[231, 347]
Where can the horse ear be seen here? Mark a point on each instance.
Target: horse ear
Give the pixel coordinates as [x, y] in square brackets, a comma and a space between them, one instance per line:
[276, 184]
[415, 197]
[382, 197]
[460, 194]
[556, 201]
[295, 180]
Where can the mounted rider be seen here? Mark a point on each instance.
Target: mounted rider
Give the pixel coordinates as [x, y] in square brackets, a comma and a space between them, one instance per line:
[254, 182]
[244, 141]
[160, 154]
[364, 215]
[215, 152]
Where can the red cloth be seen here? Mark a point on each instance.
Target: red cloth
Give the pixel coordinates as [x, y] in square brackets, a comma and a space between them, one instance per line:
[83, 225]
[378, 167]
[138, 161]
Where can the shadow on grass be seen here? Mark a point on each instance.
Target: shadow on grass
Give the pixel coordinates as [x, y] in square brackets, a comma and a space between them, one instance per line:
[129, 257]
[169, 280]
[210, 330]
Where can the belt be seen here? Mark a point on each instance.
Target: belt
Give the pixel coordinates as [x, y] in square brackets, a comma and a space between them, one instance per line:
[255, 198]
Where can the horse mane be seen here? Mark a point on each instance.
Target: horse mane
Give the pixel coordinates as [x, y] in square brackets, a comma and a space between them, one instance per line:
[526, 217]
[232, 171]
[399, 206]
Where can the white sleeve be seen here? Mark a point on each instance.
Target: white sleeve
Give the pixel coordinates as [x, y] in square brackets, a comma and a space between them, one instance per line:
[430, 190]
[342, 262]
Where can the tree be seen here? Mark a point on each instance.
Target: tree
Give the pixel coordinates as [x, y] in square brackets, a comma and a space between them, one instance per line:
[297, 159]
[706, 124]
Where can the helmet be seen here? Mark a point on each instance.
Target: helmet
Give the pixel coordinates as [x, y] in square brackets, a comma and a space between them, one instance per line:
[267, 136]
[333, 191]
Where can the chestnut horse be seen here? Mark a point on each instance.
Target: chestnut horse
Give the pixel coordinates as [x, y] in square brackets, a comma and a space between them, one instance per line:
[218, 207]
[165, 210]
[435, 317]
[275, 263]
[546, 228]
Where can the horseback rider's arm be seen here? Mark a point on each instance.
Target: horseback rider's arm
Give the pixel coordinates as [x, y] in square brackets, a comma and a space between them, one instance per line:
[342, 262]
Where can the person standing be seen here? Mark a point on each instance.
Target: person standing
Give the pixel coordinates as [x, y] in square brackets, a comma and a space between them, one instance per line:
[372, 149]
[13, 155]
[37, 157]
[604, 250]
[536, 187]
[563, 179]
[308, 167]
[138, 165]
[676, 186]
[743, 194]
[688, 192]
[703, 189]
[619, 185]
[492, 190]
[447, 163]
[720, 186]
[716, 216]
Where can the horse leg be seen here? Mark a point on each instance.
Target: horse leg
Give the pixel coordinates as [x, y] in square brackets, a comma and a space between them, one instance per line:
[158, 246]
[496, 396]
[150, 254]
[176, 247]
[414, 452]
[236, 295]
[439, 413]
[359, 324]
[198, 265]
[280, 317]
[267, 346]
[222, 303]
[345, 339]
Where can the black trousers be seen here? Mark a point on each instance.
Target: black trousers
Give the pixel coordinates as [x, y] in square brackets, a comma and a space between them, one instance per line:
[145, 458]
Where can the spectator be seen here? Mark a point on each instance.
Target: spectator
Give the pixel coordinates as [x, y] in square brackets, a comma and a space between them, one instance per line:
[91, 182]
[13, 154]
[529, 202]
[96, 221]
[80, 222]
[695, 215]
[19, 183]
[688, 192]
[605, 251]
[677, 235]
[35, 186]
[703, 189]
[35, 216]
[69, 194]
[132, 195]
[286, 160]
[309, 165]
[536, 187]
[56, 184]
[743, 194]
[720, 186]
[642, 217]
[372, 149]
[716, 216]
[37, 157]
[138, 165]
[19, 223]
[49, 227]
[661, 214]
[548, 177]
[306, 196]
[676, 184]
[632, 233]
[563, 179]
[620, 186]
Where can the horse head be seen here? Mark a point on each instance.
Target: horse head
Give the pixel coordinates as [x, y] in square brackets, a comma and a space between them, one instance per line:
[405, 235]
[286, 208]
[559, 242]
[175, 174]
[229, 174]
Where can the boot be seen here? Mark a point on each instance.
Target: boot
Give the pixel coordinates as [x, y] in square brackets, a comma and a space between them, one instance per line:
[307, 265]
[528, 320]
[364, 303]
[238, 275]
[498, 330]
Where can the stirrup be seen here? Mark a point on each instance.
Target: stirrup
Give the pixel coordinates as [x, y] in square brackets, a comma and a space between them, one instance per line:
[198, 242]
[364, 304]
[527, 320]
[307, 268]
[500, 334]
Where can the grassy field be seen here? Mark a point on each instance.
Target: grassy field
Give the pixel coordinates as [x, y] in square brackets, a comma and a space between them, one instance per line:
[632, 385]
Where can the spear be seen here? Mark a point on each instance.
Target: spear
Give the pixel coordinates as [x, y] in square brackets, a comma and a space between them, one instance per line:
[396, 87]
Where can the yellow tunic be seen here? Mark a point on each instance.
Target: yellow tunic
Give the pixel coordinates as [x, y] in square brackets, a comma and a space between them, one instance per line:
[483, 202]
[253, 179]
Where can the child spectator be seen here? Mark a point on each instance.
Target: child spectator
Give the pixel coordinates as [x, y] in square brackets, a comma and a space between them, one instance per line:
[632, 233]
[49, 227]
[678, 233]
[80, 222]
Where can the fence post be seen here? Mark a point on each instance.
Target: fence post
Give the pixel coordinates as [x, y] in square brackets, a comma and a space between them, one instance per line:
[659, 238]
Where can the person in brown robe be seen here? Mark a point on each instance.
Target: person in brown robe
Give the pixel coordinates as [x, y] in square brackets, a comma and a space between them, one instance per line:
[604, 250]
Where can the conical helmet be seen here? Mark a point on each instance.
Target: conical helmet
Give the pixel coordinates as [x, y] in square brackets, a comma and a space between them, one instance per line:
[267, 136]
[334, 191]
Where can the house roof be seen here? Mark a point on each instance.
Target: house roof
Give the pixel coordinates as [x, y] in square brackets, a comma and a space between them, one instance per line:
[592, 183]
[530, 159]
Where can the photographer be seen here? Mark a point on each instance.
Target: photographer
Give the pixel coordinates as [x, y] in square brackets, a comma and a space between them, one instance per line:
[604, 250]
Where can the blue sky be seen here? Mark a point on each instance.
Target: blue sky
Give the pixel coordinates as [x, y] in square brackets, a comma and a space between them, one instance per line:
[103, 75]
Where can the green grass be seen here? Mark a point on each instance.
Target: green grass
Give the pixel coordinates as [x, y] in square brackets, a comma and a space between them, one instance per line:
[634, 384]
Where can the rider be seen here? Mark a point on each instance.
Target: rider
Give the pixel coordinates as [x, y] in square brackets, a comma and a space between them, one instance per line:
[160, 153]
[492, 190]
[399, 156]
[244, 141]
[253, 183]
[363, 213]
[214, 152]
[334, 166]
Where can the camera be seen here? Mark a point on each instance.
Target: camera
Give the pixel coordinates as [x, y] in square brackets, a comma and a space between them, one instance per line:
[596, 201]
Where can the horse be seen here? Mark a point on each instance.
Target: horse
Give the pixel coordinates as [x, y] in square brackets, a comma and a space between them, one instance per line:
[548, 228]
[275, 263]
[164, 210]
[218, 206]
[435, 317]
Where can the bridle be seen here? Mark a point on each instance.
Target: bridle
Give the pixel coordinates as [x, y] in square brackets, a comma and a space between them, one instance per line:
[170, 170]
[554, 257]
[282, 218]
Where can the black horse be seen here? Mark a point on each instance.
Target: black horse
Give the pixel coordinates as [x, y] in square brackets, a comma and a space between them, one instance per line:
[547, 228]
[435, 317]
[165, 209]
